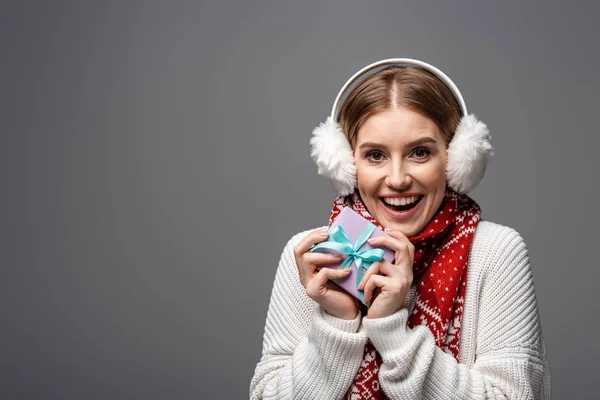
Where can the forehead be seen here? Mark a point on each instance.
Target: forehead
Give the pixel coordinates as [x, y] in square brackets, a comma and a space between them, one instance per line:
[397, 126]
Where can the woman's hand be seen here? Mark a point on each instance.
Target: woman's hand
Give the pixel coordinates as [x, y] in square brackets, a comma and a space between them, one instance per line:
[392, 287]
[333, 299]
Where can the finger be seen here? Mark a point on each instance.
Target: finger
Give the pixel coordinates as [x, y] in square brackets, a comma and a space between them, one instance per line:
[326, 274]
[319, 282]
[309, 240]
[373, 269]
[309, 262]
[375, 281]
[321, 258]
[380, 267]
[389, 269]
[391, 243]
[396, 234]
[403, 238]
[401, 247]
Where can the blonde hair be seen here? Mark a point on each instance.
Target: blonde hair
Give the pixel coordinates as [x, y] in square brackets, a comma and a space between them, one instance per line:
[400, 86]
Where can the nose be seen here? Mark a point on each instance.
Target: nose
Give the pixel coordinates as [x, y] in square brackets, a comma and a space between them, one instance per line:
[398, 177]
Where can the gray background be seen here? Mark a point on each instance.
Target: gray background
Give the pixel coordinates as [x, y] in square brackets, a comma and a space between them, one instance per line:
[155, 161]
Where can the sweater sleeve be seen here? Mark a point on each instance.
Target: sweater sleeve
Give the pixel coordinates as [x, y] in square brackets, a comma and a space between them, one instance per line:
[510, 360]
[307, 353]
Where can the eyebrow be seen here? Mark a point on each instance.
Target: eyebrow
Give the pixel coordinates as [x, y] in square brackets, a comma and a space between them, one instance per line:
[417, 142]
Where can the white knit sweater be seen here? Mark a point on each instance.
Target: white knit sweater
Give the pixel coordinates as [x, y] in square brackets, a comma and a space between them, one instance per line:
[309, 354]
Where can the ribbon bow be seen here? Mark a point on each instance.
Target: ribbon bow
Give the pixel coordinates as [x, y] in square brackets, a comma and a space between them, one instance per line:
[363, 259]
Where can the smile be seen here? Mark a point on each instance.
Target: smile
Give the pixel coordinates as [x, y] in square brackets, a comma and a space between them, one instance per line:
[401, 204]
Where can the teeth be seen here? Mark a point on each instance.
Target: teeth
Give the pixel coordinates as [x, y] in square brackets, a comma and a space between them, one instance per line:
[400, 202]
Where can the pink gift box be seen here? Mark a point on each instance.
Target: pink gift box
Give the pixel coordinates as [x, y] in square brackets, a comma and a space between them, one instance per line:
[353, 225]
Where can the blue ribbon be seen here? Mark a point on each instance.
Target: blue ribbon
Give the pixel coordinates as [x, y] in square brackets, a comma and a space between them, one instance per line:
[363, 259]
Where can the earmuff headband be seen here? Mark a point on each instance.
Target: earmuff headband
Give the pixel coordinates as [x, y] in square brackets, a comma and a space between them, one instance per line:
[399, 61]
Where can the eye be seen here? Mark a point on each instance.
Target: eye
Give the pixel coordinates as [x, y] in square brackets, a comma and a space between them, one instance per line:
[375, 155]
[421, 152]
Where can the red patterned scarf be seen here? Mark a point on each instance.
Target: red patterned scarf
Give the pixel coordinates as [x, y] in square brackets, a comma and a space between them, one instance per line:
[440, 273]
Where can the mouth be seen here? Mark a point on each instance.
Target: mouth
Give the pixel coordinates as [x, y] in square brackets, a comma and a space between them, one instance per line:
[401, 204]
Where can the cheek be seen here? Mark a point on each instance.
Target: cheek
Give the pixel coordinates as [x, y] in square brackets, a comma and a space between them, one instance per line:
[366, 177]
[435, 176]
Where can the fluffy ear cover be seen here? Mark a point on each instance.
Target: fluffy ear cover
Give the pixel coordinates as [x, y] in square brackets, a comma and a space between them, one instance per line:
[332, 152]
[468, 153]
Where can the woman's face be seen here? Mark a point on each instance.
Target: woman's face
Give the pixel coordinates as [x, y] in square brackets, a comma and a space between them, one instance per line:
[400, 157]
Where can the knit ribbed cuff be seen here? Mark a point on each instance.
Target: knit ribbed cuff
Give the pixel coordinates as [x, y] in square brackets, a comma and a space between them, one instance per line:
[387, 333]
[333, 356]
[346, 325]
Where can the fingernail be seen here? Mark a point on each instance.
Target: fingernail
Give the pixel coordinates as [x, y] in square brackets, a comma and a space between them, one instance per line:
[387, 230]
[371, 240]
[323, 232]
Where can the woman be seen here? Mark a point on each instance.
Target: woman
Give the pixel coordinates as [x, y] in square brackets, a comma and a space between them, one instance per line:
[455, 315]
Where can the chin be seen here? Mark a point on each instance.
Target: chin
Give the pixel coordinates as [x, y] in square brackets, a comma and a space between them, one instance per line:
[407, 230]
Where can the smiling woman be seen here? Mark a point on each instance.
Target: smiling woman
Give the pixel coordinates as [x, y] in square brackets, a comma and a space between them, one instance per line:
[454, 315]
